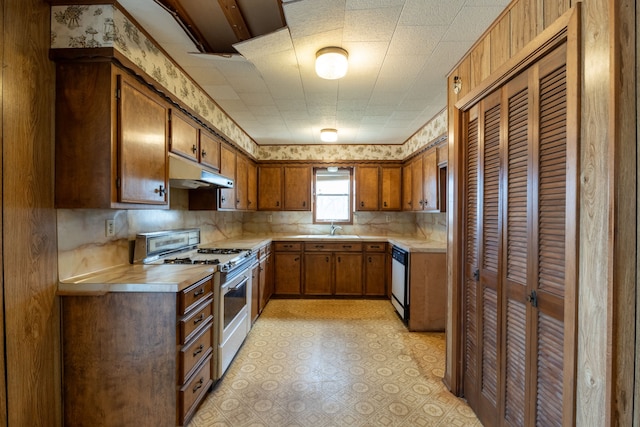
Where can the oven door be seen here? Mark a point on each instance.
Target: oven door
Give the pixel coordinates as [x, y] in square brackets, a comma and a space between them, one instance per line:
[234, 318]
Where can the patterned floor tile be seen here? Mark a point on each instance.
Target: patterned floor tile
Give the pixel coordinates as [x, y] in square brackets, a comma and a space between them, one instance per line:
[334, 363]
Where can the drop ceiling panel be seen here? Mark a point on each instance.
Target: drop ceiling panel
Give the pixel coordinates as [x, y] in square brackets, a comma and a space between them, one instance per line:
[399, 54]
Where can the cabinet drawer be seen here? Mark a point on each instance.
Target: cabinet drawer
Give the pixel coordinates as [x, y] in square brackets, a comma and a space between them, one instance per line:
[189, 298]
[192, 393]
[375, 247]
[287, 246]
[333, 246]
[195, 321]
[191, 354]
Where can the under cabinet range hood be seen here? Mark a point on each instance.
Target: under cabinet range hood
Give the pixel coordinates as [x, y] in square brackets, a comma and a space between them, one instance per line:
[187, 174]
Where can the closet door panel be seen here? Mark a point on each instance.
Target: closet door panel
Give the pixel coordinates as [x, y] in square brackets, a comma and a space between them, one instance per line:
[517, 201]
[471, 273]
[490, 242]
[551, 231]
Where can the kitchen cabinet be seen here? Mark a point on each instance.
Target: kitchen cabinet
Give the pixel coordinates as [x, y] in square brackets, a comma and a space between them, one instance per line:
[184, 139]
[287, 268]
[391, 188]
[111, 139]
[318, 273]
[427, 183]
[284, 188]
[367, 191]
[428, 291]
[297, 188]
[118, 347]
[333, 268]
[209, 150]
[375, 271]
[255, 292]
[252, 186]
[265, 275]
[269, 188]
[241, 183]
[348, 268]
[378, 188]
[407, 189]
[227, 168]
[430, 179]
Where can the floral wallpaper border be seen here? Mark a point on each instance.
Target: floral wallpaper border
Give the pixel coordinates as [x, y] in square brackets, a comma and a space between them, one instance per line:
[94, 26]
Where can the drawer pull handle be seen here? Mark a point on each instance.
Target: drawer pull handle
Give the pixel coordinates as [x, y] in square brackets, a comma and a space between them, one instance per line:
[198, 319]
[198, 350]
[198, 385]
[319, 246]
[375, 246]
[199, 292]
[346, 246]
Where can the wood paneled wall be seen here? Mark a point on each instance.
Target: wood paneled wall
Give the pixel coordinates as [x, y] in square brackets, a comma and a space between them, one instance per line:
[607, 348]
[29, 264]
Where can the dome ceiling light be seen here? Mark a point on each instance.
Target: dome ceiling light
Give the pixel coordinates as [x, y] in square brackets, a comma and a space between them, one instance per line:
[331, 63]
[328, 135]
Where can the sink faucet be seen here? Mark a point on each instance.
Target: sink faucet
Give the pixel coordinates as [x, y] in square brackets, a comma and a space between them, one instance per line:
[334, 228]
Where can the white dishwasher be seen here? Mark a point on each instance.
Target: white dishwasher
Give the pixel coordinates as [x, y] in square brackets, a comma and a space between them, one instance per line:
[399, 282]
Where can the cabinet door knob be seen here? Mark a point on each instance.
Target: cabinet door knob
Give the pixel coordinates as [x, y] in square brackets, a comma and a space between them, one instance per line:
[278, 203]
[304, 204]
[204, 153]
[385, 204]
[362, 204]
[326, 259]
[194, 149]
[223, 199]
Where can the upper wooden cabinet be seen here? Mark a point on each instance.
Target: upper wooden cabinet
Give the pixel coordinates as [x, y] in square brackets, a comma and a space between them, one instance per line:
[391, 188]
[209, 150]
[227, 168]
[367, 188]
[427, 183]
[284, 188]
[184, 136]
[111, 139]
[297, 188]
[269, 188]
[378, 188]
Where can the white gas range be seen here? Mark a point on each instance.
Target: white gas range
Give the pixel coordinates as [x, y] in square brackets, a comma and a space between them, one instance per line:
[231, 281]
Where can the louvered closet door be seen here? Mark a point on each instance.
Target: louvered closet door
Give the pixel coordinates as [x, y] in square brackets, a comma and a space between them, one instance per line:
[516, 211]
[520, 218]
[482, 241]
[554, 229]
[471, 271]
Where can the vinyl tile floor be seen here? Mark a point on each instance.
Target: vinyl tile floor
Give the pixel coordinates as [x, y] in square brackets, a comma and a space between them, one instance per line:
[334, 363]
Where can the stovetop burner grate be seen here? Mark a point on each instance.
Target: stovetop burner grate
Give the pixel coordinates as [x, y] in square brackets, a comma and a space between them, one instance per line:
[191, 261]
[219, 251]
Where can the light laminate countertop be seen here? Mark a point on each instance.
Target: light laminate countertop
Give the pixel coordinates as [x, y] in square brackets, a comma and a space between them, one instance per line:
[175, 278]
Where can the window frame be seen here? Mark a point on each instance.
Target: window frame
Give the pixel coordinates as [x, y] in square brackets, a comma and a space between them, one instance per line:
[315, 202]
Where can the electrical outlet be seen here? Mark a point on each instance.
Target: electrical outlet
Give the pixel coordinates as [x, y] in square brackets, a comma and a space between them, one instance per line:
[269, 218]
[387, 218]
[109, 228]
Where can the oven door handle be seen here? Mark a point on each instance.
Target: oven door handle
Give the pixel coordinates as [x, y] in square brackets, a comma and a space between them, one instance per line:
[227, 289]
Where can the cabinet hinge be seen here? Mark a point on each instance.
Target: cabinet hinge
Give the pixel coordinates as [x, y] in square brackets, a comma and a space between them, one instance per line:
[118, 92]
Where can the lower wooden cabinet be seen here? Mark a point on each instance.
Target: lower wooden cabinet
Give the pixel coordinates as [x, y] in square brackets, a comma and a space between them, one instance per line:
[287, 268]
[336, 268]
[428, 291]
[132, 358]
